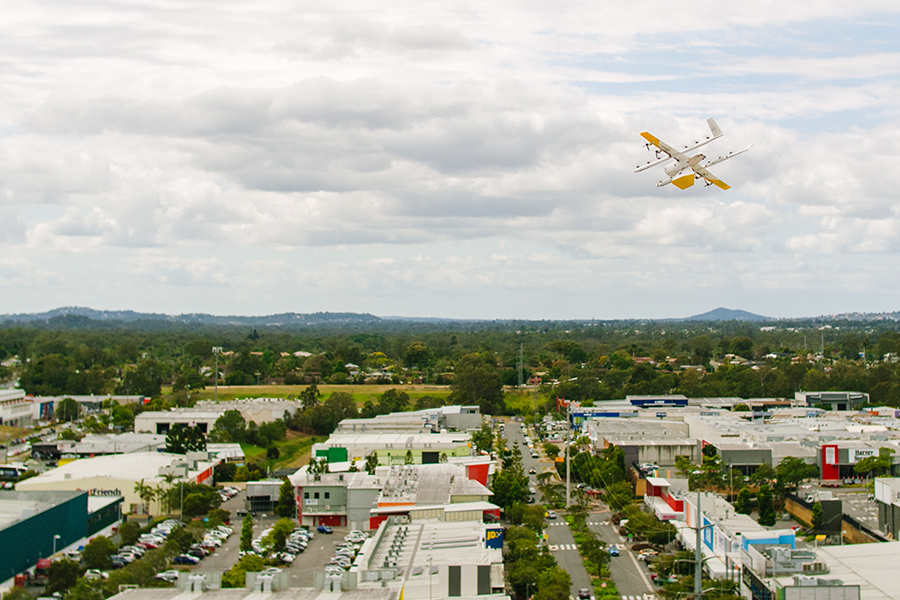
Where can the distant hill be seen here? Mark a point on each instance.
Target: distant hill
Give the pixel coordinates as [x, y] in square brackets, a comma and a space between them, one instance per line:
[75, 315]
[728, 314]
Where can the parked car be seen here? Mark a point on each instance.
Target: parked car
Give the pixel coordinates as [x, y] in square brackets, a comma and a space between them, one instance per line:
[551, 514]
[170, 576]
[324, 529]
[584, 594]
[185, 559]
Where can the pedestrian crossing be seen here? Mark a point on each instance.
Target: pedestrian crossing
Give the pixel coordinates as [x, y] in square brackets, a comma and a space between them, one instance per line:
[644, 597]
[559, 547]
[598, 523]
[557, 524]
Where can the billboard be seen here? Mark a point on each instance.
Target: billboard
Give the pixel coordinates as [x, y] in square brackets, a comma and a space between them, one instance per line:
[493, 537]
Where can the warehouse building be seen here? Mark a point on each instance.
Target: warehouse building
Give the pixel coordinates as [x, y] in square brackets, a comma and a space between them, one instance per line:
[35, 524]
[117, 475]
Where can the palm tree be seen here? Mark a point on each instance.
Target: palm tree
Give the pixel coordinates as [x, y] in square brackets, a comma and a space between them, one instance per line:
[146, 493]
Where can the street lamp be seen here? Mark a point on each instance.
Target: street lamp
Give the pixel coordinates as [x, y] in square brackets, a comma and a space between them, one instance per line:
[55, 537]
[216, 350]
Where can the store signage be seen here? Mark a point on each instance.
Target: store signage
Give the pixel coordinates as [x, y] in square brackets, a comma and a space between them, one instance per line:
[494, 538]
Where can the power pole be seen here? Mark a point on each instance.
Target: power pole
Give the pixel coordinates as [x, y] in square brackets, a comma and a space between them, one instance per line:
[520, 366]
[698, 553]
[216, 350]
[568, 454]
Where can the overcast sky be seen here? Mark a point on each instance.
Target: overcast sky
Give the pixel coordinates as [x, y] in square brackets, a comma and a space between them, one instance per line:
[464, 159]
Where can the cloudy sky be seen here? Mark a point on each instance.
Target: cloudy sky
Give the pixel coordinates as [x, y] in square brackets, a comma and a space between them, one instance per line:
[464, 159]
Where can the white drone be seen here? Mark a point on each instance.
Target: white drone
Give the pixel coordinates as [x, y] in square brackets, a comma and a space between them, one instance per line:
[684, 162]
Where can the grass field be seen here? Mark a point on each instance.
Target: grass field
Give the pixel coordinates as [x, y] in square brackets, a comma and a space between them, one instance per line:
[360, 393]
[295, 450]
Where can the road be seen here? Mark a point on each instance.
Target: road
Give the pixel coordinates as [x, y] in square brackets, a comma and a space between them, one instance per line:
[630, 575]
[559, 536]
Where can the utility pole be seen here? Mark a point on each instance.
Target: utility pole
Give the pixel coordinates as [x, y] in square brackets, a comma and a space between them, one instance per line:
[216, 350]
[520, 367]
[568, 454]
[698, 553]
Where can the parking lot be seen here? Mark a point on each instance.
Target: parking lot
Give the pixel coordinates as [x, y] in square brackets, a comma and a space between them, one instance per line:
[302, 570]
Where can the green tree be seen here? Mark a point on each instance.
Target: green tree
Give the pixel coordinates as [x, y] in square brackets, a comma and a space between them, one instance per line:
[618, 495]
[792, 471]
[287, 504]
[553, 584]
[876, 465]
[483, 439]
[97, 553]
[235, 577]
[230, 427]
[408, 459]
[83, 590]
[817, 516]
[68, 409]
[20, 593]
[62, 575]
[180, 539]
[181, 440]
[766, 504]
[475, 381]
[551, 450]
[310, 397]
[247, 534]
[371, 463]
[146, 493]
[129, 532]
[509, 487]
[744, 502]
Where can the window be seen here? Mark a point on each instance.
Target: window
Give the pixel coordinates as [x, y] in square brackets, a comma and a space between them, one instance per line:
[306, 495]
[316, 495]
[327, 495]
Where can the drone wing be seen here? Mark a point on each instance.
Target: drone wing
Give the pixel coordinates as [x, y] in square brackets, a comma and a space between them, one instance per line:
[678, 154]
[727, 156]
[705, 174]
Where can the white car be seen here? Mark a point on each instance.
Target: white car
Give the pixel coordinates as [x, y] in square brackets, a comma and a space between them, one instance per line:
[170, 576]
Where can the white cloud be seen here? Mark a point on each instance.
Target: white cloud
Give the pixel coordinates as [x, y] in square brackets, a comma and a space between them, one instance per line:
[442, 158]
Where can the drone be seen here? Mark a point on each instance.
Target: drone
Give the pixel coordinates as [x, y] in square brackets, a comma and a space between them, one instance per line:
[684, 162]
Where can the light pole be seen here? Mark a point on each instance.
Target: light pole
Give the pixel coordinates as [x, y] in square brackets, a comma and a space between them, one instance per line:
[568, 453]
[216, 350]
[55, 537]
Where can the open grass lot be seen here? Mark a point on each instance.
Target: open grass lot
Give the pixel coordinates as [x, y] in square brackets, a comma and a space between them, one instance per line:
[360, 393]
[295, 451]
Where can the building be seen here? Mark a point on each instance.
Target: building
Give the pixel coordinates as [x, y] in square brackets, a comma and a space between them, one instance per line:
[430, 420]
[833, 400]
[837, 460]
[16, 410]
[725, 533]
[35, 524]
[262, 496]
[44, 407]
[117, 475]
[887, 501]
[432, 558]
[363, 501]
[205, 414]
[393, 448]
[98, 445]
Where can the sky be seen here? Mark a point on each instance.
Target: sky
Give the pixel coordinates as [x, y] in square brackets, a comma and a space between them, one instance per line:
[461, 159]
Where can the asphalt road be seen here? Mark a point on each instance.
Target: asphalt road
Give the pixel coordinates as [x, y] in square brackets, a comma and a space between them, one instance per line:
[559, 536]
[630, 575]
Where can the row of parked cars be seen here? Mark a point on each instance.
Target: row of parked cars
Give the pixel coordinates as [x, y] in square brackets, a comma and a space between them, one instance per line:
[227, 493]
[345, 552]
[147, 541]
[296, 543]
